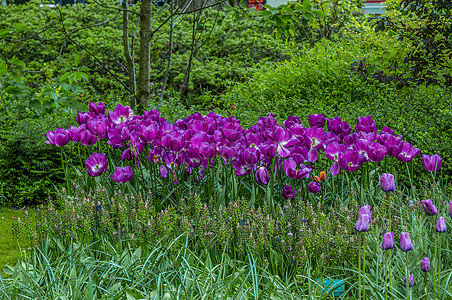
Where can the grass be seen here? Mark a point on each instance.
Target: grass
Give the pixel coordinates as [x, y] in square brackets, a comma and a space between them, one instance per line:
[10, 248]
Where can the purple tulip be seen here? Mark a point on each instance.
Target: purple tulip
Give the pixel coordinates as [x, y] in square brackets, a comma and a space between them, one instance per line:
[83, 117]
[405, 242]
[365, 210]
[429, 207]
[97, 109]
[118, 136]
[121, 114]
[339, 127]
[366, 124]
[122, 174]
[376, 152]
[350, 160]
[289, 192]
[387, 182]
[363, 223]
[291, 121]
[99, 126]
[361, 146]
[393, 144]
[316, 120]
[432, 163]
[450, 209]
[407, 152]
[314, 187]
[261, 175]
[410, 280]
[59, 137]
[425, 264]
[96, 164]
[149, 133]
[86, 138]
[388, 241]
[441, 225]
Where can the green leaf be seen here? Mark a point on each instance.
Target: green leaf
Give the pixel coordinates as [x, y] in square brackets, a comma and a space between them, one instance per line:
[3, 67]
[20, 27]
[4, 33]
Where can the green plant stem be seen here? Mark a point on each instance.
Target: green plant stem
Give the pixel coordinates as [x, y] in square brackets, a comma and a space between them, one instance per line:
[386, 276]
[407, 279]
[359, 269]
[364, 261]
[439, 262]
[426, 285]
[389, 211]
[436, 251]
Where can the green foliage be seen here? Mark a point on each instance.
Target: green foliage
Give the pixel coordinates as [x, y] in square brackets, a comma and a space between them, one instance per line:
[31, 168]
[285, 241]
[312, 20]
[13, 246]
[320, 81]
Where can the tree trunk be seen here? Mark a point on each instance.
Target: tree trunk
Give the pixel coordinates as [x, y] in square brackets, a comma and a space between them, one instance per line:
[128, 52]
[144, 81]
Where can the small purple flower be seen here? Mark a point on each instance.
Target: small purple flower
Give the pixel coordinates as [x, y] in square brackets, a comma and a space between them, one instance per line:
[122, 174]
[96, 164]
[314, 187]
[98, 108]
[261, 175]
[388, 241]
[362, 224]
[432, 163]
[59, 137]
[441, 225]
[316, 120]
[410, 280]
[450, 209]
[429, 207]
[387, 182]
[121, 114]
[425, 264]
[289, 192]
[405, 242]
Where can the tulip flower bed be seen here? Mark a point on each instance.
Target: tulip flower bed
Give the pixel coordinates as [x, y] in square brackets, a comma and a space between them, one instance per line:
[260, 192]
[216, 158]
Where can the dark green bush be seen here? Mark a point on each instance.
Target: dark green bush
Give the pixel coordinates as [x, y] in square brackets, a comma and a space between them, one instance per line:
[31, 168]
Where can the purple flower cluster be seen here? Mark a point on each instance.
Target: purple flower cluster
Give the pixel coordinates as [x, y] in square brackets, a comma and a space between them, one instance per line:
[198, 140]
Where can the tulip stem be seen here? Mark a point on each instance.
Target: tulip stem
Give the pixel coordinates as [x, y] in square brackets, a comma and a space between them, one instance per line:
[386, 276]
[389, 211]
[407, 279]
[436, 251]
[439, 261]
[426, 285]
[364, 261]
[359, 269]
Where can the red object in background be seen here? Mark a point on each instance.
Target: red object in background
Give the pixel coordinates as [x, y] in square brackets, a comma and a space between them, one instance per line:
[252, 1]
